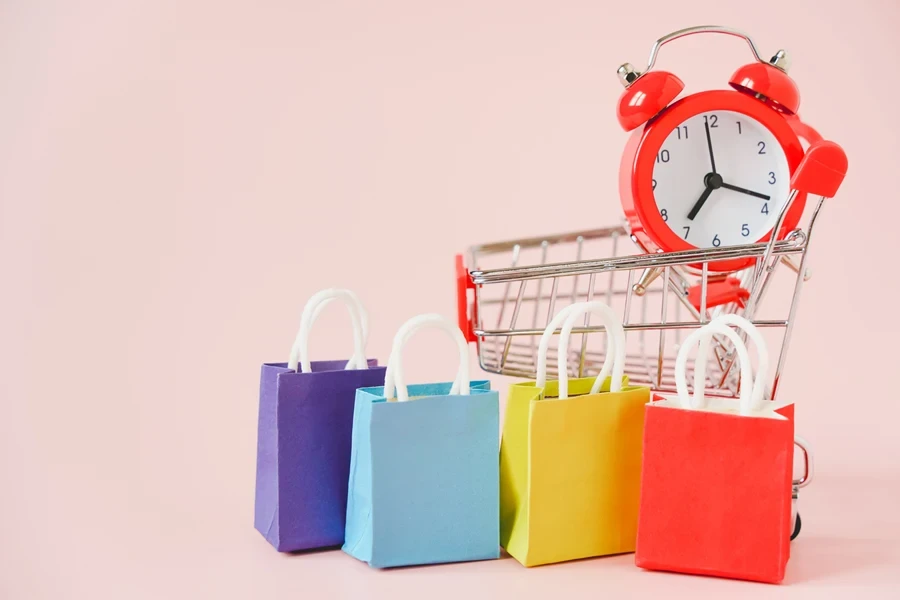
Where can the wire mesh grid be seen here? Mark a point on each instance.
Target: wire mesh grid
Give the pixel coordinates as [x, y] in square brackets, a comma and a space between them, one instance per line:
[522, 284]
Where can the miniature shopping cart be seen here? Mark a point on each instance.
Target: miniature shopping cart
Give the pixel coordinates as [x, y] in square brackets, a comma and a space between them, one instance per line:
[507, 293]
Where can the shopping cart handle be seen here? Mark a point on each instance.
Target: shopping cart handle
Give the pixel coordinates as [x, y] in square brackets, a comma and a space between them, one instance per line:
[821, 171]
[463, 284]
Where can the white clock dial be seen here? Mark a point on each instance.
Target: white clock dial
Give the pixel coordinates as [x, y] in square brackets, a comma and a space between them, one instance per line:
[720, 201]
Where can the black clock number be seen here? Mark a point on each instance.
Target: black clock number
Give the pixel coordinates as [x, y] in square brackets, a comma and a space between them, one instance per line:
[745, 231]
[716, 241]
[679, 128]
[762, 147]
[739, 128]
[664, 214]
[771, 177]
[687, 230]
[711, 120]
[654, 184]
[765, 209]
[663, 156]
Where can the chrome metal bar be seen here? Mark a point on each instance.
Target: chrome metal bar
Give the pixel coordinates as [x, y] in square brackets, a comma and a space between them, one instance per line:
[678, 318]
[642, 337]
[580, 296]
[596, 360]
[794, 244]
[522, 365]
[579, 246]
[515, 260]
[680, 283]
[628, 295]
[662, 332]
[610, 286]
[764, 263]
[519, 355]
[587, 322]
[513, 319]
[594, 368]
[795, 300]
[695, 30]
[630, 327]
[731, 356]
[612, 274]
[809, 466]
[480, 343]
[704, 280]
[537, 298]
[552, 306]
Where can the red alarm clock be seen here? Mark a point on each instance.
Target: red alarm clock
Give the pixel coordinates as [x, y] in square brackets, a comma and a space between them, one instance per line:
[714, 168]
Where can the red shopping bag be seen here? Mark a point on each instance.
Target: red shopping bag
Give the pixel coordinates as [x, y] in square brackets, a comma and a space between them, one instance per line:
[716, 476]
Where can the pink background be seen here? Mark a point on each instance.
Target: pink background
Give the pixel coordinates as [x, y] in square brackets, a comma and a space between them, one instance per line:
[176, 178]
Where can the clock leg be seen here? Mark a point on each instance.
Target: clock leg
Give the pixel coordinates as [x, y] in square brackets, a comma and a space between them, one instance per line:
[647, 277]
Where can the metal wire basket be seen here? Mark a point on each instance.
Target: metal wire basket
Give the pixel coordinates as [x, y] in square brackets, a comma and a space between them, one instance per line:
[507, 293]
[658, 295]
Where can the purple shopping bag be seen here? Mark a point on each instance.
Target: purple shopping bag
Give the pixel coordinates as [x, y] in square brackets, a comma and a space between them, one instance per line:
[304, 436]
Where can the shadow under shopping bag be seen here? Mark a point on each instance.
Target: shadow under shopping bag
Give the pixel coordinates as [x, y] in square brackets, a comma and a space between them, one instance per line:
[303, 446]
[424, 475]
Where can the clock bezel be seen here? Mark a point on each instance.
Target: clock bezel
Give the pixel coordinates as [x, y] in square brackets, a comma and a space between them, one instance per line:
[636, 175]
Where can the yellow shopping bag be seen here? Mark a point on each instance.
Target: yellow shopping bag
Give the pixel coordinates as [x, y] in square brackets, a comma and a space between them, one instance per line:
[570, 456]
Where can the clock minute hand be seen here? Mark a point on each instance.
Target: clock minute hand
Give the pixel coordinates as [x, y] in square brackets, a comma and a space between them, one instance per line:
[735, 188]
[712, 159]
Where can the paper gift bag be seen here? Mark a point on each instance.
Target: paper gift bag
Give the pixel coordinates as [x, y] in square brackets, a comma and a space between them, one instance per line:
[716, 485]
[424, 473]
[303, 445]
[570, 455]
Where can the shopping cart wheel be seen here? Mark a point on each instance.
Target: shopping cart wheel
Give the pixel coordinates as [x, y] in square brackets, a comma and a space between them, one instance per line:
[797, 525]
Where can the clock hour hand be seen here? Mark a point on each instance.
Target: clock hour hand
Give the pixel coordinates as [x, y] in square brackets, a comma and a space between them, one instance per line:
[712, 181]
[735, 188]
[699, 204]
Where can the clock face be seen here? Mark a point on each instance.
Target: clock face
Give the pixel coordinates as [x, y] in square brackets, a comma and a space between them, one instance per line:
[720, 179]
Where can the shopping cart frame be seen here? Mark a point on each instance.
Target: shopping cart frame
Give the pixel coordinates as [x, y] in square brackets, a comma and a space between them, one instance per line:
[508, 348]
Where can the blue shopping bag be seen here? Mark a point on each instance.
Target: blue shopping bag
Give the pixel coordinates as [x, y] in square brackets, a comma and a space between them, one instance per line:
[424, 467]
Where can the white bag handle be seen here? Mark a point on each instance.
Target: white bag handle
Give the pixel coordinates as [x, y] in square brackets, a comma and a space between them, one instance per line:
[311, 312]
[762, 353]
[394, 379]
[615, 347]
[364, 323]
[543, 346]
[704, 336]
[402, 343]
[759, 382]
